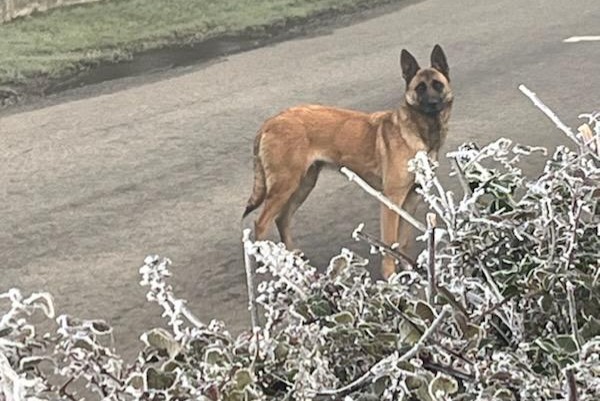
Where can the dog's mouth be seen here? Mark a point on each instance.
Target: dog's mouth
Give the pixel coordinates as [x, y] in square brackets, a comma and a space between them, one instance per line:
[432, 107]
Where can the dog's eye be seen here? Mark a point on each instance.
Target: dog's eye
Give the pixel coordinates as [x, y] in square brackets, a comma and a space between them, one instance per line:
[421, 87]
[437, 85]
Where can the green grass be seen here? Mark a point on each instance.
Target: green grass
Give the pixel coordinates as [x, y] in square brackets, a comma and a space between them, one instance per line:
[64, 41]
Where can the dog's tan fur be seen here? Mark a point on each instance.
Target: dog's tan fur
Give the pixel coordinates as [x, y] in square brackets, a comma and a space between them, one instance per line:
[291, 148]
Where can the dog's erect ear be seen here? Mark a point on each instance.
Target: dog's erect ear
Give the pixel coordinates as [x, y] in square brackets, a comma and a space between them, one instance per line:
[438, 61]
[409, 66]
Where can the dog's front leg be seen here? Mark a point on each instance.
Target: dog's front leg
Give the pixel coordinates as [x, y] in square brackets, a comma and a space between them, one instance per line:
[390, 224]
[406, 235]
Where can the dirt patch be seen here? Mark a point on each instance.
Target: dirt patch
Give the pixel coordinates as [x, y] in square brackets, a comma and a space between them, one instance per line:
[201, 51]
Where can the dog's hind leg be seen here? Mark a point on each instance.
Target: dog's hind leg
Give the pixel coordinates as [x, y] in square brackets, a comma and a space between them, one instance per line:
[284, 219]
[280, 189]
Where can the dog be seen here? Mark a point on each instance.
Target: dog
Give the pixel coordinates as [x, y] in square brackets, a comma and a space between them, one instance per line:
[292, 147]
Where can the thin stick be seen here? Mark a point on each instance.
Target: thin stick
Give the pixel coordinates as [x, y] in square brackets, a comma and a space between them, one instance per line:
[576, 208]
[571, 386]
[549, 113]
[431, 279]
[494, 308]
[461, 177]
[420, 331]
[250, 279]
[184, 310]
[446, 309]
[383, 248]
[448, 370]
[490, 279]
[352, 176]
[573, 313]
[364, 379]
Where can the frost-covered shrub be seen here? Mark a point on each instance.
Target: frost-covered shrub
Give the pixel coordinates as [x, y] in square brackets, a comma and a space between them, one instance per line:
[513, 312]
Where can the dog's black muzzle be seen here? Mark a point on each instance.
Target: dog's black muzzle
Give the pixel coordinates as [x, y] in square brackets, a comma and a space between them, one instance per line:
[432, 107]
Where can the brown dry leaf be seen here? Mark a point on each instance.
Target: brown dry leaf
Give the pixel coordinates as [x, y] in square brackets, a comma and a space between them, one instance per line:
[588, 135]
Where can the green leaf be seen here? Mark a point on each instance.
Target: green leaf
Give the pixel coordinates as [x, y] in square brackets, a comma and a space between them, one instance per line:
[380, 385]
[511, 290]
[235, 395]
[387, 337]
[159, 380]
[343, 318]
[408, 333]
[29, 362]
[562, 363]
[5, 331]
[590, 329]
[136, 381]
[320, 308]
[546, 346]
[567, 343]
[303, 310]
[170, 366]
[101, 327]
[462, 321]
[281, 351]
[214, 356]
[442, 385]
[242, 379]
[337, 265]
[424, 311]
[473, 332]
[504, 395]
[368, 397]
[413, 382]
[546, 302]
[161, 340]
[83, 344]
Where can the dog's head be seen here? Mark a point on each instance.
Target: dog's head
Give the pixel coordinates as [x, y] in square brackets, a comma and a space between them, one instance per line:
[427, 89]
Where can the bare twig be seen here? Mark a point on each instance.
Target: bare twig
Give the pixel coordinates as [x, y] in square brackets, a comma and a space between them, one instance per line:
[62, 391]
[461, 177]
[365, 378]
[549, 113]
[490, 280]
[175, 304]
[418, 329]
[427, 179]
[494, 308]
[431, 278]
[428, 333]
[249, 265]
[352, 176]
[573, 313]
[451, 300]
[576, 208]
[571, 386]
[449, 370]
[383, 248]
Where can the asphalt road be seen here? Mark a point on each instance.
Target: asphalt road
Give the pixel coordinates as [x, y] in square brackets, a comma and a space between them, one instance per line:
[92, 184]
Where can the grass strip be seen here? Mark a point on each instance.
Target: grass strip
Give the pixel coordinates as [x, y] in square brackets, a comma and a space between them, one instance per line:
[64, 41]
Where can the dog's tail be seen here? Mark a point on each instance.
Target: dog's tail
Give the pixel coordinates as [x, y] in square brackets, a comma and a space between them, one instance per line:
[259, 189]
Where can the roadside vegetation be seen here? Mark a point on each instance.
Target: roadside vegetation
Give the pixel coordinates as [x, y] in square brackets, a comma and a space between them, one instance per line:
[65, 41]
[501, 306]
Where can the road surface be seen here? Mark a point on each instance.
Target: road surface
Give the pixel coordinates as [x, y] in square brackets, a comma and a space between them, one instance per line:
[92, 184]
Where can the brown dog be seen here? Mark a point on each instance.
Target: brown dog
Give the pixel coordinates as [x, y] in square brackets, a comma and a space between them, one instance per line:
[291, 148]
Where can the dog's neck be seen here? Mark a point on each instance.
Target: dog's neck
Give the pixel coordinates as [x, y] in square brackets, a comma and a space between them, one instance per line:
[431, 128]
